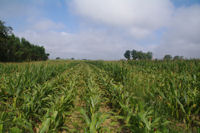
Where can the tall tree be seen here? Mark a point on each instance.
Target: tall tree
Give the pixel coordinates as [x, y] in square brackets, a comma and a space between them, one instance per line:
[139, 55]
[167, 57]
[134, 54]
[4, 30]
[178, 57]
[13, 48]
[149, 55]
[127, 54]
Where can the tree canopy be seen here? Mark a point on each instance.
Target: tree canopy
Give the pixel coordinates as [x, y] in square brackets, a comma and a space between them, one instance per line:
[178, 57]
[167, 57]
[138, 55]
[14, 49]
[127, 54]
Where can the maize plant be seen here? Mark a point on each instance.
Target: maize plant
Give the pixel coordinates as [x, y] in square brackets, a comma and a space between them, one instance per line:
[100, 96]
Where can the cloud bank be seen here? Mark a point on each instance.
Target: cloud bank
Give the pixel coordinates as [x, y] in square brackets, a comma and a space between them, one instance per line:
[109, 27]
[182, 36]
[139, 17]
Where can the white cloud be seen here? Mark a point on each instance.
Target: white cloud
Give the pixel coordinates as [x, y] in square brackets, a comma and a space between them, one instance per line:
[141, 18]
[109, 27]
[91, 45]
[140, 33]
[46, 24]
[182, 36]
[137, 16]
[14, 10]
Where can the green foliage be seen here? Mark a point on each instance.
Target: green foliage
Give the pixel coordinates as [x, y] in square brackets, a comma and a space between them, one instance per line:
[100, 96]
[154, 95]
[13, 49]
[31, 94]
[4, 31]
[91, 114]
[127, 54]
[138, 55]
[167, 57]
[178, 57]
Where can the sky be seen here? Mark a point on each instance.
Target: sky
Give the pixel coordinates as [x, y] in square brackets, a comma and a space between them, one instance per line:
[105, 29]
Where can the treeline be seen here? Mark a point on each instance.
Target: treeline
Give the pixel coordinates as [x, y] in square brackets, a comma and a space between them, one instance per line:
[138, 55]
[169, 57]
[14, 49]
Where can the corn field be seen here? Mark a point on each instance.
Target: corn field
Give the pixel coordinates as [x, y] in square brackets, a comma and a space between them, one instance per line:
[100, 97]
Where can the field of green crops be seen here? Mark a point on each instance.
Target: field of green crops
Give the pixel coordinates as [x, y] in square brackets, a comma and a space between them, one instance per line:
[100, 96]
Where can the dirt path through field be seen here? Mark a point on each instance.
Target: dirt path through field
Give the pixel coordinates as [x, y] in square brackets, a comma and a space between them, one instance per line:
[87, 83]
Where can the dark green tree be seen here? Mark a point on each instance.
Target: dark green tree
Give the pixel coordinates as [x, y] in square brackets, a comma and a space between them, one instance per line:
[127, 54]
[14, 49]
[139, 55]
[134, 54]
[178, 57]
[4, 30]
[149, 55]
[167, 57]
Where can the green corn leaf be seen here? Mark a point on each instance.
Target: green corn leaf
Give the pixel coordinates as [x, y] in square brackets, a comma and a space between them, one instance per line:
[15, 130]
[45, 126]
[181, 105]
[1, 128]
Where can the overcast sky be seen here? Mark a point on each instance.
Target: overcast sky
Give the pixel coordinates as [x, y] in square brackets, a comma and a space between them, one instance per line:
[105, 29]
